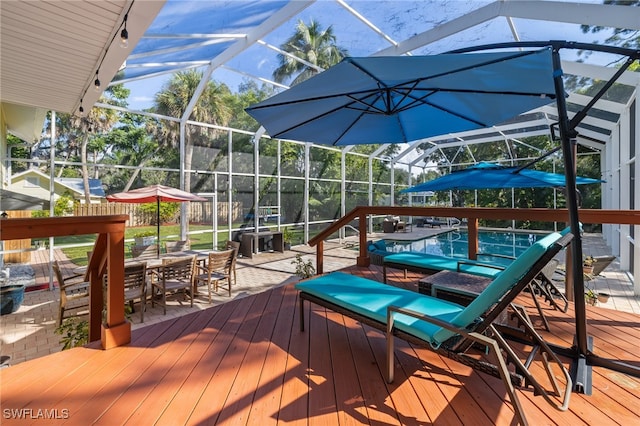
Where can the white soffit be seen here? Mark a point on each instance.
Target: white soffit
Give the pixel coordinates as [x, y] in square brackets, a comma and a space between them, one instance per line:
[50, 50]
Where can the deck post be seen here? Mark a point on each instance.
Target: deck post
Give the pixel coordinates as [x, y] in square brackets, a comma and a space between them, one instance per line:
[472, 227]
[116, 331]
[363, 258]
[320, 258]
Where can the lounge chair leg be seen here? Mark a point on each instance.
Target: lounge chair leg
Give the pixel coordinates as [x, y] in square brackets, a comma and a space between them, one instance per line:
[301, 314]
[390, 348]
[539, 308]
[494, 348]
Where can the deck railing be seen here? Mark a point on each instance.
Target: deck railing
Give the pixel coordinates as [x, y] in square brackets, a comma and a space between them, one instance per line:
[472, 215]
[108, 255]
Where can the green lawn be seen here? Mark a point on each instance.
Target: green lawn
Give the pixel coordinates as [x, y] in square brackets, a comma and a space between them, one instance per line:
[199, 241]
[78, 255]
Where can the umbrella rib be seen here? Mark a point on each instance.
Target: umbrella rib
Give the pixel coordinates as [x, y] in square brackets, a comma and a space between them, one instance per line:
[303, 123]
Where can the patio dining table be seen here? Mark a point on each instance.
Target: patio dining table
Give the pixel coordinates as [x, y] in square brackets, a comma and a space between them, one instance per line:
[155, 263]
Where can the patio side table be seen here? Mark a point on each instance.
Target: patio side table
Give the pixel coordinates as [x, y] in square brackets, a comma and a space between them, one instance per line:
[456, 287]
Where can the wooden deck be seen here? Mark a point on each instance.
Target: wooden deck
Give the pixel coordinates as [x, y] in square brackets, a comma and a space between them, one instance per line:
[246, 362]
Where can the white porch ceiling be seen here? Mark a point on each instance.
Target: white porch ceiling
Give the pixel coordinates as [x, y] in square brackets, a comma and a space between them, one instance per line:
[50, 52]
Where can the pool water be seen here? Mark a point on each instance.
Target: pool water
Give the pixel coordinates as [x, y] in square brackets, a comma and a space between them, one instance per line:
[454, 244]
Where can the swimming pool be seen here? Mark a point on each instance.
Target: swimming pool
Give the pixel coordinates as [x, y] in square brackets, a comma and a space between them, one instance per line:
[454, 243]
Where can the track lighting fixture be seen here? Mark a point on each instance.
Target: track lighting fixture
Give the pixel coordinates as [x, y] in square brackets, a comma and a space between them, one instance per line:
[97, 83]
[124, 34]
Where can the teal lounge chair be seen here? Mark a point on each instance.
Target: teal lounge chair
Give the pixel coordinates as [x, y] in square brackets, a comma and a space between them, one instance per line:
[449, 328]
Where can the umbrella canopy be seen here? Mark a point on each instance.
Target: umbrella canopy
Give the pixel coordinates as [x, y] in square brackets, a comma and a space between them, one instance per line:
[394, 99]
[154, 193]
[489, 176]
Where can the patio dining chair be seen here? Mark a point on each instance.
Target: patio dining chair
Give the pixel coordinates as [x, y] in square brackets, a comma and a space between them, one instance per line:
[219, 268]
[135, 286]
[176, 246]
[144, 252]
[236, 248]
[175, 275]
[74, 293]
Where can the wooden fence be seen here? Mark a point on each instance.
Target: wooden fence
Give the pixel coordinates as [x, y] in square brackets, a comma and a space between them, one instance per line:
[19, 257]
[199, 212]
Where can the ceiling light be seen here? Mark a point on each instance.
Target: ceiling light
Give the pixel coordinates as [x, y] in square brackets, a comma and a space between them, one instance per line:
[97, 83]
[124, 34]
[81, 110]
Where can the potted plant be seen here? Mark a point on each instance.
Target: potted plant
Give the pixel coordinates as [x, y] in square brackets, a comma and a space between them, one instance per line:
[603, 297]
[145, 238]
[587, 265]
[287, 236]
[591, 297]
[303, 269]
[11, 297]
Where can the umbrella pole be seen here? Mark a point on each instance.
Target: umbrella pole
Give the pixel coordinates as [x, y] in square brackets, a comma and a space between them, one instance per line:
[158, 227]
[581, 371]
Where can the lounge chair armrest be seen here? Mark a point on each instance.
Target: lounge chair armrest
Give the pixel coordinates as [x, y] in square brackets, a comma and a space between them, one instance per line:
[503, 256]
[484, 265]
[418, 315]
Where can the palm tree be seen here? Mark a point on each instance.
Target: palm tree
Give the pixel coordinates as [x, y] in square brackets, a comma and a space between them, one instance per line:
[211, 108]
[312, 44]
[97, 121]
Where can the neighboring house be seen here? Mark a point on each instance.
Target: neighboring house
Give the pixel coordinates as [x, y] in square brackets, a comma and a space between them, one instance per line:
[36, 184]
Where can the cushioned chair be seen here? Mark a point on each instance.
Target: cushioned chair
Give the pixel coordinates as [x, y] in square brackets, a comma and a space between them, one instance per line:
[452, 329]
[377, 251]
[74, 293]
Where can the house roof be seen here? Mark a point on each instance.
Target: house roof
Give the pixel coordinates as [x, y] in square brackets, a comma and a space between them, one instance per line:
[73, 184]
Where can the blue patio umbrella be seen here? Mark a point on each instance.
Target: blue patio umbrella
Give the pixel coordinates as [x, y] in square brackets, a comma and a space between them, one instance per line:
[395, 99]
[409, 98]
[489, 175]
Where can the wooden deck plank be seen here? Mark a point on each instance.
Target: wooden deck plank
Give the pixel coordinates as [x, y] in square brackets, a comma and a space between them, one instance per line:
[148, 372]
[295, 390]
[426, 388]
[230, 354]
[380, 407]
[238, 404]
[115, 388]
[351, 409]
[322, 401]
[264, 410]
[196, 342]
[179, 408]
[247, 362]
